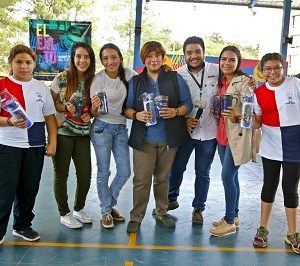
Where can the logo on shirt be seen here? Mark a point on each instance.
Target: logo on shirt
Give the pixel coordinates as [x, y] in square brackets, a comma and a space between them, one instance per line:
[39, 97]
[289, 97]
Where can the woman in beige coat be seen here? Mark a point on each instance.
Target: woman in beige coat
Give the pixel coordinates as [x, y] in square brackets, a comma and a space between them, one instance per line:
[234, 144]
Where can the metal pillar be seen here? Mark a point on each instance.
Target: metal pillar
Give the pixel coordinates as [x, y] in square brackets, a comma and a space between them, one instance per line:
[137, 35]
[285, 40]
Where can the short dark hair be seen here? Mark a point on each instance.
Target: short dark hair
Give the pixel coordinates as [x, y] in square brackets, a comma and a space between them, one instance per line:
[149, 47]
[19, 49]
[271, 56]
[193, 40]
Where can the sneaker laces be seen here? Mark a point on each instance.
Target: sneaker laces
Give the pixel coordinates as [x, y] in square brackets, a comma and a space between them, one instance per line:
[107, 218]
[295, 240]
[83, 214]
[262, 233]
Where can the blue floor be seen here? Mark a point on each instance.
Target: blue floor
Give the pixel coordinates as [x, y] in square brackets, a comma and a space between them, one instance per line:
[186, 245]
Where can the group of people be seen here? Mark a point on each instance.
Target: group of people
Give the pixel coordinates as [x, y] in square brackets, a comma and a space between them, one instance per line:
[160, 151]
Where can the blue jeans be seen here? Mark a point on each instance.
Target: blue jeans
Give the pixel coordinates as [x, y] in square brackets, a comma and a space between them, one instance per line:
[204, 155]
[107, 138]
[230, 183]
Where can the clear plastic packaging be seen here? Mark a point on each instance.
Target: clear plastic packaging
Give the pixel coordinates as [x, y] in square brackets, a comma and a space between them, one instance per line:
[10, 104]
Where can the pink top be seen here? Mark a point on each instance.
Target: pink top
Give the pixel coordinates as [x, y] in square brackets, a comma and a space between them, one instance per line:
[221, 133]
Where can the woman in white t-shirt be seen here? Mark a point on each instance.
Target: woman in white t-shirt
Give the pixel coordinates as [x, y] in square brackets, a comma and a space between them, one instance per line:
[109, 133]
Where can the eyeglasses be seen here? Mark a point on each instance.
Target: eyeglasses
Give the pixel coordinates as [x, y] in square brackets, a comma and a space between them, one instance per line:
[269, 69]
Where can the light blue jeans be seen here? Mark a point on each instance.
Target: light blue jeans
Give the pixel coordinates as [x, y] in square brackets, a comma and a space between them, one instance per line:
[107, 138]
[230, 182]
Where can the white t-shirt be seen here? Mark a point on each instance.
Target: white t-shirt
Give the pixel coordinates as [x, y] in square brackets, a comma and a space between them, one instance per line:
[115, 92]
[207, 126]
[279, 108]
[36, 99]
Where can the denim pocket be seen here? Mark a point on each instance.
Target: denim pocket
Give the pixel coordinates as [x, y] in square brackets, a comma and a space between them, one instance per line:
[98, 127]
[98, 130]
[123, 129]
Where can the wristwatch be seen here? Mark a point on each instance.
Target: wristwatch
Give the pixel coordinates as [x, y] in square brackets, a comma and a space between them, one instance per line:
[134, 116]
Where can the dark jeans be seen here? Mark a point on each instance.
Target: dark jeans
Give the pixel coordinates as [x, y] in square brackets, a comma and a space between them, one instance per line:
[290, 181]
[204, 155]
[20, 174]
[230, 183]
[78, 149]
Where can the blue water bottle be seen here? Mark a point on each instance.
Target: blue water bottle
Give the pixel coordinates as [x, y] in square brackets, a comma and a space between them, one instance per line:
[247, 111]
[11, 105]
[17, 111]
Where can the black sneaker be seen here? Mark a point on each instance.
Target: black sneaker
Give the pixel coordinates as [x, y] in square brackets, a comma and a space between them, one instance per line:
[173, 205]
[27, 234]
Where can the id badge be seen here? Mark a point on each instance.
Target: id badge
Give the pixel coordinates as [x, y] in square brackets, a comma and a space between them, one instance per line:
[200, 104]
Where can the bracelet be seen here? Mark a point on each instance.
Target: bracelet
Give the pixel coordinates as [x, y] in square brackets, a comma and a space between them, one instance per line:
[134, 116]
[9, 122]
[177, 111]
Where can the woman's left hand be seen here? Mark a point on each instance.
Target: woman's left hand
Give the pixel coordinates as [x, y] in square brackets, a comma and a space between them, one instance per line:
[167, 113]
[86, 117]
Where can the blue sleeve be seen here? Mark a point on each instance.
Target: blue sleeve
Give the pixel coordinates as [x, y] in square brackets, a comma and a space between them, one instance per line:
[130, 96]
[185, 95]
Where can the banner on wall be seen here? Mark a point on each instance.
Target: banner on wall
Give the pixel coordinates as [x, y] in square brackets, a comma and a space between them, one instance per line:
[52, 41]
[249, 66]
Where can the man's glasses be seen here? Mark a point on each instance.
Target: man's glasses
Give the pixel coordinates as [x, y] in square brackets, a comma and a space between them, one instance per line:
[269, 69]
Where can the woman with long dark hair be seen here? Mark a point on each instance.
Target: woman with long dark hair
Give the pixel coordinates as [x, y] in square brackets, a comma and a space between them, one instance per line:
[109, 133]
[234, 146]
[71, 94]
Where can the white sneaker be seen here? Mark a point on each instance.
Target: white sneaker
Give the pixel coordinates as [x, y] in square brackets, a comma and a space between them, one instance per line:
[69, 221]
[1, 241]
[82, 217]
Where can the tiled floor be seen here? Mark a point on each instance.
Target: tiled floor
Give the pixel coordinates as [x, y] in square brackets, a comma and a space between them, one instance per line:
[153, 245]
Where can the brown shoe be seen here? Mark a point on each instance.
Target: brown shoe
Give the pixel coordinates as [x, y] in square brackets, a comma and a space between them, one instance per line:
[197, 216]
[107, 221]
[223, 229]
[236, 222]
[116, 215]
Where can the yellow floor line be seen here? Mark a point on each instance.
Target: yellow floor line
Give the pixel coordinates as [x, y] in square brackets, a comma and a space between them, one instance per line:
[132, 245]
[132, 240]
[128, 263]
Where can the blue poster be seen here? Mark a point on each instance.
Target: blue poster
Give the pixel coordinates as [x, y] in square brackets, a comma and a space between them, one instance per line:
[52, 41]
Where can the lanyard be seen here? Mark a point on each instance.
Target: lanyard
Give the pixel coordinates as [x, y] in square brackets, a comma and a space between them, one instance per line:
[201, 84]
